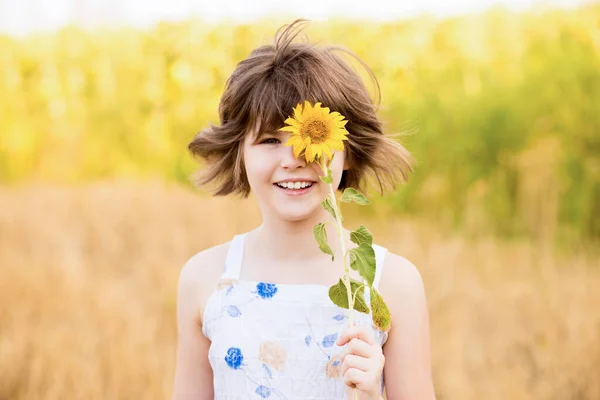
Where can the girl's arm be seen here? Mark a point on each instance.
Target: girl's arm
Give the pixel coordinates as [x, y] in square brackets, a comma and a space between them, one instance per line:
[407, 370]
[193, 373]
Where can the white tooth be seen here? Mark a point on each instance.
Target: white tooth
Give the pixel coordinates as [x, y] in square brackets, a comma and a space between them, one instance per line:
[294, 185]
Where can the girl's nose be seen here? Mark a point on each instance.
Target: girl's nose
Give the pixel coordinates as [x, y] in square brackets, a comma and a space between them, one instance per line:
[289, 161]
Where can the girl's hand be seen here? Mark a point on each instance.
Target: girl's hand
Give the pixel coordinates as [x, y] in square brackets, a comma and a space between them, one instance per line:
[362, 361]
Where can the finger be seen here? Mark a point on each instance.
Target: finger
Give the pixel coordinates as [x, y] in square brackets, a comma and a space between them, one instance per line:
[352, 361]
[361, 380]
[351, 377]
[360, 348]
[356, 331]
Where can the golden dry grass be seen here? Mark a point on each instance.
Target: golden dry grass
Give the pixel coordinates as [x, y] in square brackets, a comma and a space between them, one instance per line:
[88, 281]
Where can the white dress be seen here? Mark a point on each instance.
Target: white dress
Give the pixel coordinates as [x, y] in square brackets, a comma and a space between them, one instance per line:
[277, 341]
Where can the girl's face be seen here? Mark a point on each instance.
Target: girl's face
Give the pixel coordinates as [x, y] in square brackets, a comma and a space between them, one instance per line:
[271, 165]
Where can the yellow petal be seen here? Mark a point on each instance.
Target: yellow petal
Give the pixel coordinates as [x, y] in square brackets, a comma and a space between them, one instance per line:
[310, 155]
[293, 122]
[318, 149]
[341, 129]
[328, 152]
[339, 135]
[298, 113]
[292, 129]
[297, 150]
[297, 145]
[295, 140]
[307, 106]
[308, 113]
[336, 144]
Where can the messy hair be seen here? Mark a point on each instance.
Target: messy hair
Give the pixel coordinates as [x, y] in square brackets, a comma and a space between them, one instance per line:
[261, 93]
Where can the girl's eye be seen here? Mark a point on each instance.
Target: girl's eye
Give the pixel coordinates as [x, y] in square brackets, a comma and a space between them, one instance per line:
[270, 141]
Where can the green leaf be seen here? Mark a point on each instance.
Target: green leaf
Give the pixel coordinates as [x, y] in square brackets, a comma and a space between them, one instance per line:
[380, 311]
[351, 194]
[327, 178]
[321, 236]
[339, 296]
[328, 206]
[362, 259]
[361, 235]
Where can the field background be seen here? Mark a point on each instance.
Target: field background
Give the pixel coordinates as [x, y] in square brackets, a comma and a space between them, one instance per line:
[502, 216]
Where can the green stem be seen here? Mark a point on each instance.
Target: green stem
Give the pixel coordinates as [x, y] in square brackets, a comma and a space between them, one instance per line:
[338, 219]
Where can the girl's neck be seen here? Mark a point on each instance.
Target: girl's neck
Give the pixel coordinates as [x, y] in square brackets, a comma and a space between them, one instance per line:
[293, 244]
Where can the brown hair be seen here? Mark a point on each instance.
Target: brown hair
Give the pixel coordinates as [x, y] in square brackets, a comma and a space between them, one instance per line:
[260, 94]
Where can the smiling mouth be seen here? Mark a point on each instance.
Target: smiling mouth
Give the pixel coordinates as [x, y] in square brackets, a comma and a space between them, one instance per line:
[292, 186]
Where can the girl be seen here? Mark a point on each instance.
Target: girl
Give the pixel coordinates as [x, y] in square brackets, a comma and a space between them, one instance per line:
[254, 317]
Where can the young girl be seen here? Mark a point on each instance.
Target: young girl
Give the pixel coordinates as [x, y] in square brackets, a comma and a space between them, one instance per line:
[254, 316]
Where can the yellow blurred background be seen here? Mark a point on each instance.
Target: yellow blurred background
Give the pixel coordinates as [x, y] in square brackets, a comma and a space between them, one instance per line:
[502, 216]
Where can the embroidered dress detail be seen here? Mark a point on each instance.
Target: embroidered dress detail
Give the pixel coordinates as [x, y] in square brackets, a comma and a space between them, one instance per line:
[277, 341]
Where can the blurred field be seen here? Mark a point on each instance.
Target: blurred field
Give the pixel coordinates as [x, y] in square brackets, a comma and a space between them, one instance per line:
[504, 106]
[504, 111]
[88, 287]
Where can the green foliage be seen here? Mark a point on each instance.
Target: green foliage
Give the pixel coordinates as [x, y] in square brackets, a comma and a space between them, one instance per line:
[362, 259]
[327, 178]
[353, 195]
[321, 237]
[328, 205]
[361, 235]
[338, 294]
[379, 310]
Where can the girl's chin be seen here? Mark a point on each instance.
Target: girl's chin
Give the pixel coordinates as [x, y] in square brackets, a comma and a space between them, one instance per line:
[297, 214]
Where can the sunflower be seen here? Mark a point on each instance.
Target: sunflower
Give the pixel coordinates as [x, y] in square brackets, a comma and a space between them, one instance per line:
[315, 130]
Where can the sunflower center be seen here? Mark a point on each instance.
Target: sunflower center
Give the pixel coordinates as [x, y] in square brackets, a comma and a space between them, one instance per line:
[315, 129]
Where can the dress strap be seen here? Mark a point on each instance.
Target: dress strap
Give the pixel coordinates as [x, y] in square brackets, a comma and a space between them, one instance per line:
[380, 253]
[233, 262]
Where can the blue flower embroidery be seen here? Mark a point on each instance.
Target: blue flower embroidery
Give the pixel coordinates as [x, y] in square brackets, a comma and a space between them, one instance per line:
[336, 363]
[307, 340]
[233, 311]
[329, 340]
[263, 391]
[266, 290]
[234, 357]
[338, 317]
[267, 370]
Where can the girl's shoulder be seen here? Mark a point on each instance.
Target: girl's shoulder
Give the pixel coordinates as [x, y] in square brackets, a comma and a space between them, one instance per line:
[211, 258]
[200, 274]
[399, 276]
